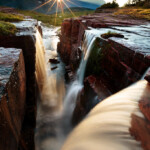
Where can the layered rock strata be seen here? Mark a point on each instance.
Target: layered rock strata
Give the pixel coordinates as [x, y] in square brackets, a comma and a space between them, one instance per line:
[25, 40]
[12, 97]
[123, 60]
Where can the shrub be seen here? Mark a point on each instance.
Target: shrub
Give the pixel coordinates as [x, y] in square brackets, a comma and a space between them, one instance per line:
[146, 5]
[112, 34]
[114, 4]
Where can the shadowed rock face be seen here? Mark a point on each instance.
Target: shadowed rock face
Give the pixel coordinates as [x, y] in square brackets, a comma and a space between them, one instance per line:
[25, 40]
[12, 97]
[147, 76]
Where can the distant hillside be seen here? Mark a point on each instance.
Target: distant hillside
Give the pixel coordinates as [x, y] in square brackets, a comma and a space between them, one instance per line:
[31, 4]
[73, 9]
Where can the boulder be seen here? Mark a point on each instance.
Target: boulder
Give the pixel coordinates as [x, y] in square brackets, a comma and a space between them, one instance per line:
[54, 61]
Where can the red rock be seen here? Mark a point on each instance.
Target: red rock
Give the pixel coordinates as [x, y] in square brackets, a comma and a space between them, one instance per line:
[25, 40]
[12, 97]
[120, 65]
[140, 129]
[147, 77]
[144, 106]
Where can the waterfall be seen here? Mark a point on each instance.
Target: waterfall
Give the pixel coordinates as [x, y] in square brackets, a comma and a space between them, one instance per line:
[89, 39]
[77, 85]
[40, 61]
[47, 82]
[109, 125]
[49, 131]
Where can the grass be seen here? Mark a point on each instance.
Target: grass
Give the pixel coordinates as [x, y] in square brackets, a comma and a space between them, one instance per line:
[10, 17]
[50, 19]
[7, 29]
[111, 34]
[135, 12]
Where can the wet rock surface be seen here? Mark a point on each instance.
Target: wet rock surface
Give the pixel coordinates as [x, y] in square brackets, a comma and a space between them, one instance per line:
[72, 30]
[140, 125]
[25, 40]
[12, 96]
[54, 61]
[124, 60]
[147, 76]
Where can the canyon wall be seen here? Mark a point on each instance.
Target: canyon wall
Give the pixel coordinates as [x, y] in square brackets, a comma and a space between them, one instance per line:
[122, 61]
[23, 132]
[12, 97]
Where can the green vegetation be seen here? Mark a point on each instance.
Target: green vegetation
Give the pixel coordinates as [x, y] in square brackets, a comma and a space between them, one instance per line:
[109, 5]
[138, 3]
[10, 17]
[7, 28]
[52, 19]
[111, 34]
[135, 13]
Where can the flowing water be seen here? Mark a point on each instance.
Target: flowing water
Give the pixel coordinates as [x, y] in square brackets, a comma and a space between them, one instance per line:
[76, 86]
[54, 108]
[57, 103]
[49, 132]
[108, 124]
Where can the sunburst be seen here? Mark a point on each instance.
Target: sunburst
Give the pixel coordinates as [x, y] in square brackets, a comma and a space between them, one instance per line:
[59, 5]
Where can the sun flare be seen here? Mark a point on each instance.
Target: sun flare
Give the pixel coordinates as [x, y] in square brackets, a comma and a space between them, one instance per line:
[59, 5]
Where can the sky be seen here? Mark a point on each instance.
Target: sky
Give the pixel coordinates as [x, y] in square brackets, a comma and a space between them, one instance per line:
[120, 2]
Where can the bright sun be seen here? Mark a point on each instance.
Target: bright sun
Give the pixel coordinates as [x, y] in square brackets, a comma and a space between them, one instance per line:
[59, 5]
[120, 2]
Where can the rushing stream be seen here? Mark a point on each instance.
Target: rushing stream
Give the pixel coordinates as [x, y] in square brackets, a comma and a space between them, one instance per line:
[55, 106]
[49, 131]
[57, 101]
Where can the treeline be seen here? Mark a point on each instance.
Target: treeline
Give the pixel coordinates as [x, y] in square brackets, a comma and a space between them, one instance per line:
[112, 4]
[139, 3]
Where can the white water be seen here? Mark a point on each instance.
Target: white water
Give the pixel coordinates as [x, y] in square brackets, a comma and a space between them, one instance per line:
[41, 74]
[49, 131]
[53, 118]
[76, 86]
[107, 127]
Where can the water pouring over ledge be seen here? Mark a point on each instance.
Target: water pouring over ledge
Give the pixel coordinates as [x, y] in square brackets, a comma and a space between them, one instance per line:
[111, 123]
[77, 85]
[49, 133]
[54, 117]
[55, 126]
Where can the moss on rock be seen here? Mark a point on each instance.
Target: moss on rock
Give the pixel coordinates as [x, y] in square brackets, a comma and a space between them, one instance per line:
[7, 29]
[112, 34]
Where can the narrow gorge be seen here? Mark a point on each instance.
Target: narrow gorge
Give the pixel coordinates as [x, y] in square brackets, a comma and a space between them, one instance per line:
[82, 86]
